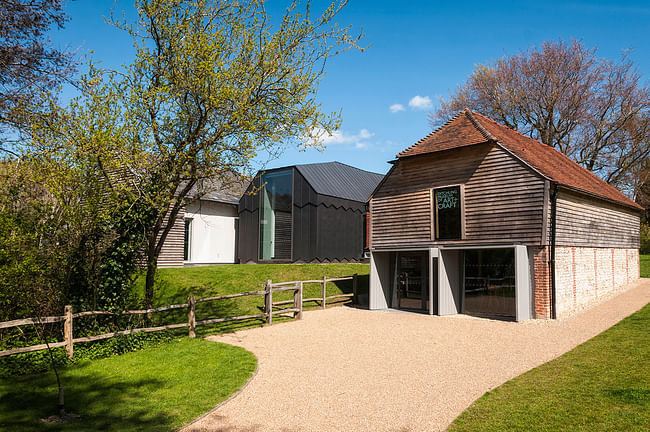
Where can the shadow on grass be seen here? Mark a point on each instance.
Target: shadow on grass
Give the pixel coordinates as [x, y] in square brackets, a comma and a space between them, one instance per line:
[635, 395]
[101, 402]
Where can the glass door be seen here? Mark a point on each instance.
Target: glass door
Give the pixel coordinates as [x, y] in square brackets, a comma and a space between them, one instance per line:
[412, 280]
[490, 282]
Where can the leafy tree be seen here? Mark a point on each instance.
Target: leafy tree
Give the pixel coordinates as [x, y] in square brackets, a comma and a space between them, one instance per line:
[28, 64]
[213, 84]
[594, 110]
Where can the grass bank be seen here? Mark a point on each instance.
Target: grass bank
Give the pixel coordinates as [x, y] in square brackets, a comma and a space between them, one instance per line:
[645, 266]
[157, 389]
[602, 385]
[174, 285]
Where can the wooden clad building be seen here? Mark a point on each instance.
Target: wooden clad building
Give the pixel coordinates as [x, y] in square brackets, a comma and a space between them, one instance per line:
[305, 213]
[205, 230]
[477, 218]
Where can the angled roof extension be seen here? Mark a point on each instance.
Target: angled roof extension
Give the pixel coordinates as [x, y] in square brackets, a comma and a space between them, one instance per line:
[469, 128]
[340, 180]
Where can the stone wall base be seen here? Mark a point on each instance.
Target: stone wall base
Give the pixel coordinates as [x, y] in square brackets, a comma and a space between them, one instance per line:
[584, 276]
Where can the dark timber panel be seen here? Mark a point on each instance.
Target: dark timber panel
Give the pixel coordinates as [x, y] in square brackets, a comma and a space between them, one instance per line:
[503, 199]
[590, 222]
[304, 219]
[249, 223]
[340, 229]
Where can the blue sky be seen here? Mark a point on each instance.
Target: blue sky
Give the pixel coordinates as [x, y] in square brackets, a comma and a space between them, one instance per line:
[419, 52]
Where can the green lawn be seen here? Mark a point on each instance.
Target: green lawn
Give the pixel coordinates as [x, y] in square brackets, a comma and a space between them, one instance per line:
[157, 389]
[602, 385]
[645, 266]
[175, 284]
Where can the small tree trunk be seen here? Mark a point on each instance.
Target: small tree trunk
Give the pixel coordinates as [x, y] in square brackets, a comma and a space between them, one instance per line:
[61, 405]
[148, 286]
[152, 264]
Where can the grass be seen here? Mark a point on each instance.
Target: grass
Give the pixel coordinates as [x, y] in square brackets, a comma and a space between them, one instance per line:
[602, 385]
[174, 285]
[645, 266]
[157, 389]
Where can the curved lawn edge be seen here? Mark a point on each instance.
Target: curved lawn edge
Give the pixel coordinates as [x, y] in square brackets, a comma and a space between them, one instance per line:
[602, 384]
[232, 396]
[155, 389]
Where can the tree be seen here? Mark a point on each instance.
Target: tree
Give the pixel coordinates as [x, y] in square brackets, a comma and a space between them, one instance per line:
[213, 84]
[28, 65]
[594, 110]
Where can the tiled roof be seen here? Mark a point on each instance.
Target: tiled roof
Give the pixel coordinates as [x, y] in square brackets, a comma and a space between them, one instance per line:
[470, 128]
[340, 180]
[227, 190]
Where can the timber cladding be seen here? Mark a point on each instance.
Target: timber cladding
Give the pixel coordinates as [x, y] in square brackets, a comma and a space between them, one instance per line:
[590, 222]
[171, 254]
[503, 198]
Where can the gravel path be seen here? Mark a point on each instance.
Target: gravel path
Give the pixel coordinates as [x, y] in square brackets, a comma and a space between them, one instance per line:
[344, 369]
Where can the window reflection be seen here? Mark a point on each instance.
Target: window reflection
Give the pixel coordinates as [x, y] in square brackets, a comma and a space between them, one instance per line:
[275, 215]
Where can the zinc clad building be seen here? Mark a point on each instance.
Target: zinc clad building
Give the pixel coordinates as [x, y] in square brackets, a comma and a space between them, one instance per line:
[305, 213]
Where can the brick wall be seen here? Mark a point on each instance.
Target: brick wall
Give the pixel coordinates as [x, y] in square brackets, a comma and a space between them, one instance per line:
[542, 283]
[585, 275]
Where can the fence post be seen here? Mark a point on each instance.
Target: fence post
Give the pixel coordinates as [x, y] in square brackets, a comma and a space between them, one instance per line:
[355, 298]
[191, 316]
[67, 331]
[268, 302]
[297, 300]
[323, 290]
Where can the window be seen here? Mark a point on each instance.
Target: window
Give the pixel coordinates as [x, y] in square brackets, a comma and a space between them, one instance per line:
[275, 215]
[186, 241]
[447, 203]
[490, 282]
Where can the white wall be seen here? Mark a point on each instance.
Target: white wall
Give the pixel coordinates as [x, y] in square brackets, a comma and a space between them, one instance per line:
[449, 282]
[379, 291]
[213, 236]
[586, 275]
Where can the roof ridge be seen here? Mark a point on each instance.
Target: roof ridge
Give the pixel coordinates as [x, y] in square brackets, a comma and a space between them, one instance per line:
[336, 162]
[530, 142]
[458, 114]
[477, 124]
[513, 130]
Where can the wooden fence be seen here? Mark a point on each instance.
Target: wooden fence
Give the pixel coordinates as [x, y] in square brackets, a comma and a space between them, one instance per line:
[269, 288]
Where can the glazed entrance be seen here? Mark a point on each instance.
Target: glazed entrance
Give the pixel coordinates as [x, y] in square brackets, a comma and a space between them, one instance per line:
[490, 282]
[411, 282]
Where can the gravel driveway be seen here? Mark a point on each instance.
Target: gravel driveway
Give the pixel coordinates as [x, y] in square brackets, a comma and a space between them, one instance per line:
[345, 369]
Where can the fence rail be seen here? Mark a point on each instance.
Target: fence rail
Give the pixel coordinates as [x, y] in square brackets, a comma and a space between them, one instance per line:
[269, 288]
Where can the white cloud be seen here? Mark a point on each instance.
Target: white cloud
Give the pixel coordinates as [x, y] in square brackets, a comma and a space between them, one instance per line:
[357, 140]
[365, 134]
[395, 108]
[420, 102]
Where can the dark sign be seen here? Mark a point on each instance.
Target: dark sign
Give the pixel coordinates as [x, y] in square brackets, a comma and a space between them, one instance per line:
[448, 216]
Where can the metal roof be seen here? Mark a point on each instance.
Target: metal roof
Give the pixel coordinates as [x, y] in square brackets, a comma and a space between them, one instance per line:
[340, 180]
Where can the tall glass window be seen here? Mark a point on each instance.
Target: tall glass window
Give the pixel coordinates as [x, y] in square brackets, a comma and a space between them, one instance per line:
[275, 215]
[448, 215]
[187, 239]
[490, 282]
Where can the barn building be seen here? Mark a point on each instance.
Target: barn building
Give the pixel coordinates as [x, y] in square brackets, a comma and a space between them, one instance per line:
[476, 218]
[305, 213]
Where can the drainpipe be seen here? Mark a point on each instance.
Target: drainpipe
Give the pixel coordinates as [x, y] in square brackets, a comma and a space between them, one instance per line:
[552, 258]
